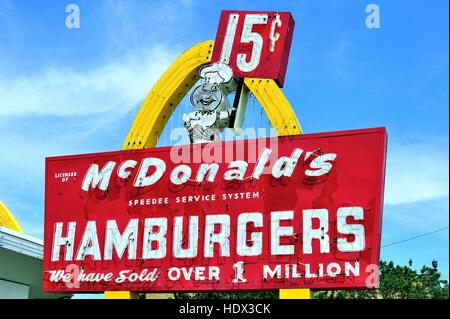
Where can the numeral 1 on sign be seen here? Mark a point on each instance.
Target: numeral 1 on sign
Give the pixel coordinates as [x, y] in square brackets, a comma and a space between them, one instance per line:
[239, 272]
[229, 38]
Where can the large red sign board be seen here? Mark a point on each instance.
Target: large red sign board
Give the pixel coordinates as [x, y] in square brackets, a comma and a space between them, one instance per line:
[255, 44]
[289, 212]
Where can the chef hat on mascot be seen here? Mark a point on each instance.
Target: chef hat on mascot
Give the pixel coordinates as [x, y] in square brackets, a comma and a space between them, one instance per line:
[216, 73]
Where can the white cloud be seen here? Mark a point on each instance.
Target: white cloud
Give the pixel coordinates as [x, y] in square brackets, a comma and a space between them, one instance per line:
[422, 216]
[140, 40]
[116, 86]
[416, 172]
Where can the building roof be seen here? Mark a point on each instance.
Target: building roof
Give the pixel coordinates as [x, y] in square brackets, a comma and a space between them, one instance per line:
[21, 262]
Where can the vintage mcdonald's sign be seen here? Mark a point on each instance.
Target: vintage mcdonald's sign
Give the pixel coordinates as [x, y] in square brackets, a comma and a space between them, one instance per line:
[304, 212]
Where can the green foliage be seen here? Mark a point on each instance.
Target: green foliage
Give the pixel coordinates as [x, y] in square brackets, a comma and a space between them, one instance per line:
[396, 282]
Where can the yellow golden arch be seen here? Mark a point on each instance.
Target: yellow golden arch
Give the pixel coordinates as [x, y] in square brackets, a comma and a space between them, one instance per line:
[179, 79]
[8, 220]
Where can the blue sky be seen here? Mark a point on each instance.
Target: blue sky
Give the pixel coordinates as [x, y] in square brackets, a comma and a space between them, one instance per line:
[68, 91]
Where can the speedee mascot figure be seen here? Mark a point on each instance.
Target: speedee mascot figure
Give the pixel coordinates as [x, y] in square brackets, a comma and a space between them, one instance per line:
[212, 109]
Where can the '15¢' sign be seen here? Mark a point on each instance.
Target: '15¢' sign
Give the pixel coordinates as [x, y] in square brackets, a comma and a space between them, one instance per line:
[305, 211]
[255, 44]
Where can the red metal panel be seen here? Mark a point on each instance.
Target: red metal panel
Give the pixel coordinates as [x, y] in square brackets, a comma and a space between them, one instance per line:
[356, 179]
[272, 64]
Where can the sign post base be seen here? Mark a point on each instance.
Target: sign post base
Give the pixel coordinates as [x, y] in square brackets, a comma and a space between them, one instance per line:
[295, 294]
[121, 295]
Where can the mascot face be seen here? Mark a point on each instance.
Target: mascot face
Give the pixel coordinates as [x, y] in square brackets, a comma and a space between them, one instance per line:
[207, 97]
